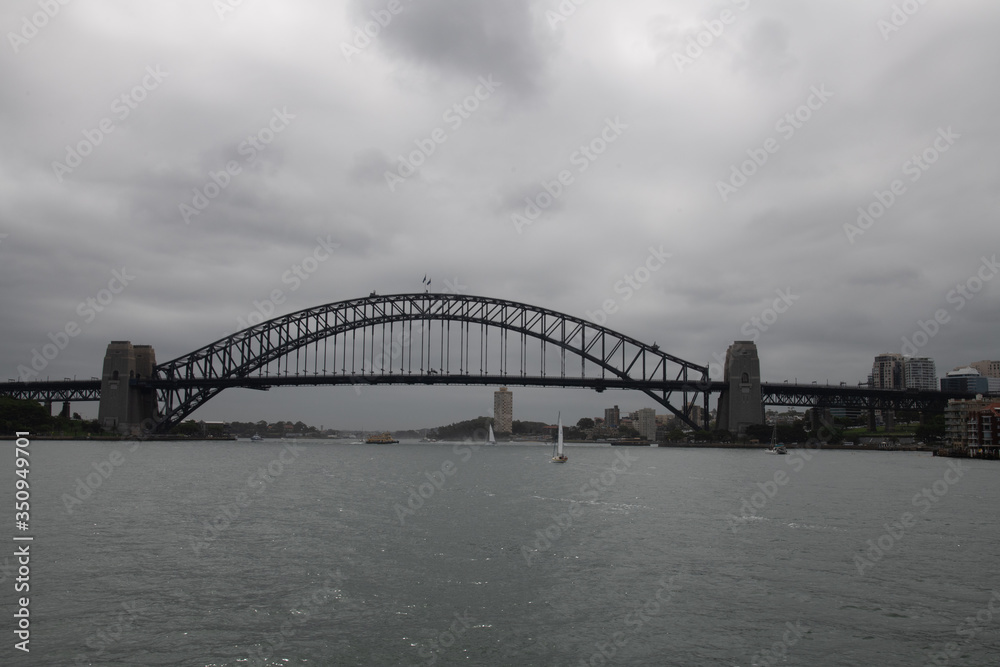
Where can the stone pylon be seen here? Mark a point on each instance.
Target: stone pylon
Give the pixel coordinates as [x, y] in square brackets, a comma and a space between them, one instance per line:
[740, 404]
[125, 407]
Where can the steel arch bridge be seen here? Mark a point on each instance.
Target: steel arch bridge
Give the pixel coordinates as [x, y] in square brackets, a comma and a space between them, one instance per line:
[426, 338]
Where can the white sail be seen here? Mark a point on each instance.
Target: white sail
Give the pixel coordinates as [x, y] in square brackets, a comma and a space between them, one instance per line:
[492, 439]
[560, 442]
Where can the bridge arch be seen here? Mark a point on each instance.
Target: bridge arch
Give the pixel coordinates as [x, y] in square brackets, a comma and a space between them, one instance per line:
[306, 348]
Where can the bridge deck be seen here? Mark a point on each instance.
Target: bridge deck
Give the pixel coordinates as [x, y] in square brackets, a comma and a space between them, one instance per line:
[786, 394]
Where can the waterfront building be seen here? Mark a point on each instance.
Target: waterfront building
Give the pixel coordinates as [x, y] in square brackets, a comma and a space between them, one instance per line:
[503, 411]
[965, 379]
[983, 430]
[887, 372]
[954, 423]
[647, 423]
[611, 417]
[920, 373]
[956, 418]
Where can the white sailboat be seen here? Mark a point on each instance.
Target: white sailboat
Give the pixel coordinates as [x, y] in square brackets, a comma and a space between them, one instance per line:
[492, 439]
[557, 448]
[775, 447]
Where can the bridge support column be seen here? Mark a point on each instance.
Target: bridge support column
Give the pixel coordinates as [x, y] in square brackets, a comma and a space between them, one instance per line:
[740, 404]
[872, 425]
[889, 417]
[124, 407]
[65, 410]
[706, 414]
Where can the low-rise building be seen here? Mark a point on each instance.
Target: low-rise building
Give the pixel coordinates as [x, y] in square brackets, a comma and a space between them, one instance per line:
[965, 379]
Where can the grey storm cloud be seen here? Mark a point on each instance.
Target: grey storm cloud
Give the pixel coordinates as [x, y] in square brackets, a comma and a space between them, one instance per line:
[471, 38]
[276, 125]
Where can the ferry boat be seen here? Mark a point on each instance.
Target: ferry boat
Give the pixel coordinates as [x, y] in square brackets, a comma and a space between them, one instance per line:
[381, 439]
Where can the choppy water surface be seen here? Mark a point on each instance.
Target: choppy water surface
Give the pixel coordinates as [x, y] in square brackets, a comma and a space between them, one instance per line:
[243, 553]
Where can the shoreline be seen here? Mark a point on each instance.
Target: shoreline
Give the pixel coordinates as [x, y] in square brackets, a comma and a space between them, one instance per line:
[674, 445]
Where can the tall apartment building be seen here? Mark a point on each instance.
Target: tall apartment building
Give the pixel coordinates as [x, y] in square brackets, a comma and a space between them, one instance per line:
[920, 373]
[612, 416]
[696, 413]
[503, 411]
[647, 424]
[990, 369]
[888, 372]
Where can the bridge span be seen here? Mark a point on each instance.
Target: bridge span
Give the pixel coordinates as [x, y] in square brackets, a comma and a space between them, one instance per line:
[440, 339]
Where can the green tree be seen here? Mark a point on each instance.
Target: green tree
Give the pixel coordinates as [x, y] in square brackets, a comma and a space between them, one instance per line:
[31, 416]
[761, 432]
[472, 428]
[190, 427]
[585, 424]
[932, 429]
[627, 432]
[527, 428]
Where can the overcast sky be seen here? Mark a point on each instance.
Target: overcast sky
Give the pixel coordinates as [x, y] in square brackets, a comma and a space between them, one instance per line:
[121, 119]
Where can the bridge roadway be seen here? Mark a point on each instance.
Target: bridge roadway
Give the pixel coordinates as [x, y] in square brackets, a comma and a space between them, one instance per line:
[54, 390]
[784, 394]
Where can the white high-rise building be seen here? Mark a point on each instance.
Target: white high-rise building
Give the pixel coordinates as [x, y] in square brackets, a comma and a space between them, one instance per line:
[920, 373]
[647, 424]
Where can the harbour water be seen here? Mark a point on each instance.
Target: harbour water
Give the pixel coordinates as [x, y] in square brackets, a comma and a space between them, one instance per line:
[327, 553]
